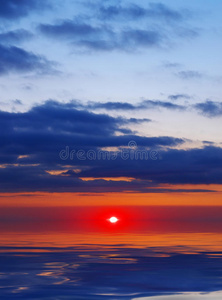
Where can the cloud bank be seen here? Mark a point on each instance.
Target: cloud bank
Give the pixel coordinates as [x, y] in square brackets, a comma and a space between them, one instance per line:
[102, 147]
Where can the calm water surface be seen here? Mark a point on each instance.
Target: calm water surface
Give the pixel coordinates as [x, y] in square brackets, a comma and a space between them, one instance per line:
[155, 259]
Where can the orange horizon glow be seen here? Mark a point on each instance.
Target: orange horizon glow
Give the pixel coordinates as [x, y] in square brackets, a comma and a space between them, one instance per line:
[189, 242]
[42, 199]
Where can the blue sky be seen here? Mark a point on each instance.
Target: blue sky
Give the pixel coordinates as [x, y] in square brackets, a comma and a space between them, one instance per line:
[184, 58]
[150, 50]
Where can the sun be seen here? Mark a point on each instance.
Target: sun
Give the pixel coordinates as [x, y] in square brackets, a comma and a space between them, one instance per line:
[113, 220]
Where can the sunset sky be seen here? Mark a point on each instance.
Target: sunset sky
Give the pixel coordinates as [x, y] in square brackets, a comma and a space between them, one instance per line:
[110, 149]
[110, 103]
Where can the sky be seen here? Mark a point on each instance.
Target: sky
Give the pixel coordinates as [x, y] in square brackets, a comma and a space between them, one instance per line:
[110, 102]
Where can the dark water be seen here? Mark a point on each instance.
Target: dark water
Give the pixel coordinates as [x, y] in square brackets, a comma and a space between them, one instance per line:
[106, 273]
[159, 260]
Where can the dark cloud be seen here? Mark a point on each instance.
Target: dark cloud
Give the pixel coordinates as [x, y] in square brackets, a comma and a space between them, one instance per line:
[14, 59]
[209, 108]
[16, 36]
[34, 178]
[194, 166]
[199, 166]
[55, 122]
[31, 144]
[14, 9]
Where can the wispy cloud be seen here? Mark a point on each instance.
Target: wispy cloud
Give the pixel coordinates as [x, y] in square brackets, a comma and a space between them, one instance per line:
[134, 12]
[189, 75]
[179, 96]
[14, 59]
[101, 37]
[14, 9]
[15, 36]
[100, 29]
[210, 108]
[146, 104]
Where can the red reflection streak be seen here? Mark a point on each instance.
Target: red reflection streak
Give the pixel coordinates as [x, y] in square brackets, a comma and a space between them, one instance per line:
[137, 226]
[149, 220]
[95, 219]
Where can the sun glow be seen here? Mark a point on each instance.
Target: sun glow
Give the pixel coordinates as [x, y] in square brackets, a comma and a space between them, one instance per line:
[113, 220]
